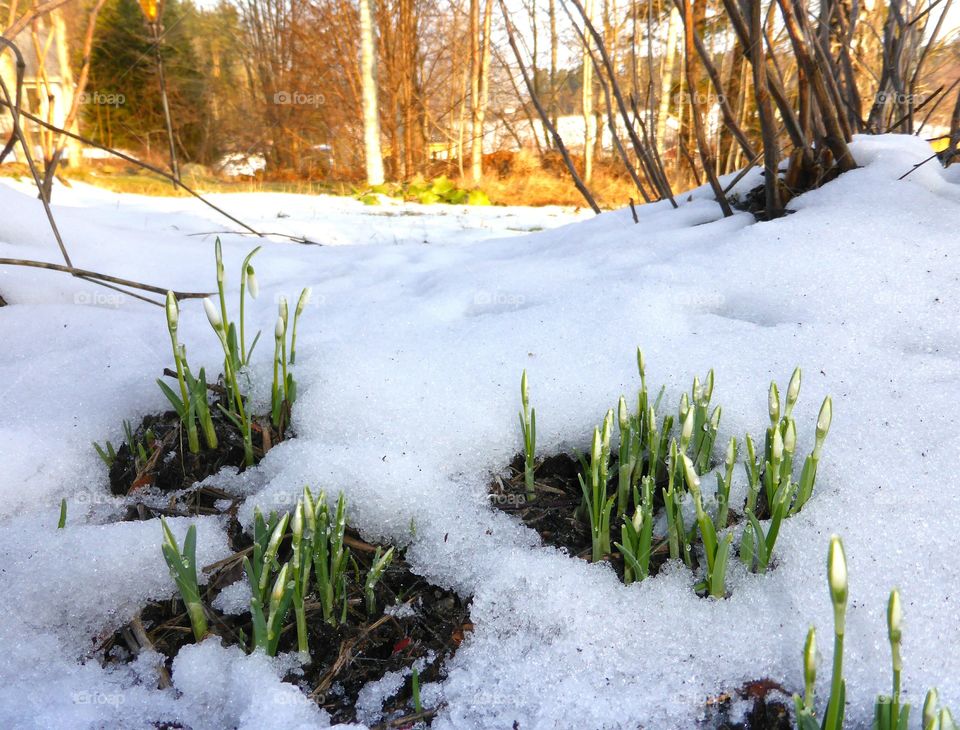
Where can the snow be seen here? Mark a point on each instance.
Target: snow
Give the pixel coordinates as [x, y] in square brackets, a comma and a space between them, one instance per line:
[408, 369]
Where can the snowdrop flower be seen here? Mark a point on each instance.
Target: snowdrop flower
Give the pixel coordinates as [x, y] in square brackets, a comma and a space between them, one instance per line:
[637, 520]
[824, 419]
[173, 312]
[810, 662]
[715, 418]
[684, 406]
[773, 404]
[212, 314]
[641, 364]
[622, 414]
[708, 388]
[837, 578]
[697, 390]
[524, 390]
[687, 433]
[793, 390]
[731, 453]
[790, 437]
[693, 481]
[776, 449]
[930, 708]
[304, 300]
[252, 284]
[894, 617]
[280, 329]
[595, 447]
[282, 307]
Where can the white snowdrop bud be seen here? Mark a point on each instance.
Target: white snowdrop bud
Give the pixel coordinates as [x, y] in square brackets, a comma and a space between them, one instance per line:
[212, 314]
[790, 437]
[637, 520]
[894, 617]
[607, 426]
[173, 311]
[773, 403]
[219, 254]
[282, 308]
[693, 481]
[280, 329]
[276, 595]
[304, 299]
[776, 448]
[731, 452]
[708, 387]
[524, 392]
[793, 390]
[824, 419]
[697, 390]
[252, 284]
[652, 421]
[837, 578]
[684, 406]
[687, 432]
[810, 659]
[930, 708]
[641, 364]
[715, 418]
[595, 449]
[622, 414]
[946, 720]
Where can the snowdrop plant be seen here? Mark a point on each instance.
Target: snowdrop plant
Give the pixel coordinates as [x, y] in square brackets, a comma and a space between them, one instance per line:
[183, 570]
[381, 561]
[934, 716]
[595, 501]
[888, 713]
[248, 282]
[330, 558]
[637, 535]
[268, 604]
[181, 405]
[302, 303]
[528, 426]
[717, 550]
[237, 410]
[284, 391]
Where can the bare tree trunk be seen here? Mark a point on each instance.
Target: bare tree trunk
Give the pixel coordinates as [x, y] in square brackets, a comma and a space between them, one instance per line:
[589, 122]
[371, 109]
[666, 76]
[480, 83]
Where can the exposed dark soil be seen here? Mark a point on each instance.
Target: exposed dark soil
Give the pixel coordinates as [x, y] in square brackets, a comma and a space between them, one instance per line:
[170, 466]
[424, 622]
[427, 623]
[769, 710]
[3, 302]
[553, 515]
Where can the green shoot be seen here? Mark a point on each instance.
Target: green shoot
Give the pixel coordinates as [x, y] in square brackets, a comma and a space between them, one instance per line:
[62, 522]
[183, 569]
[415, 683]
[108, 455]
[724, 482]
[330, 558]
[302, 555]
[248, 280]
[301, 305]
[528, 425]
[377, 569]
[239, 415]
[806, 719]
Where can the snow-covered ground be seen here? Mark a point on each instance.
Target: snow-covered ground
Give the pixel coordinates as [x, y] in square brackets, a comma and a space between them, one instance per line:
[408, 369]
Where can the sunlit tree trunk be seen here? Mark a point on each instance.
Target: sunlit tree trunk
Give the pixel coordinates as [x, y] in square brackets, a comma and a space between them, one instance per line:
[371, 110]
[589, 121]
